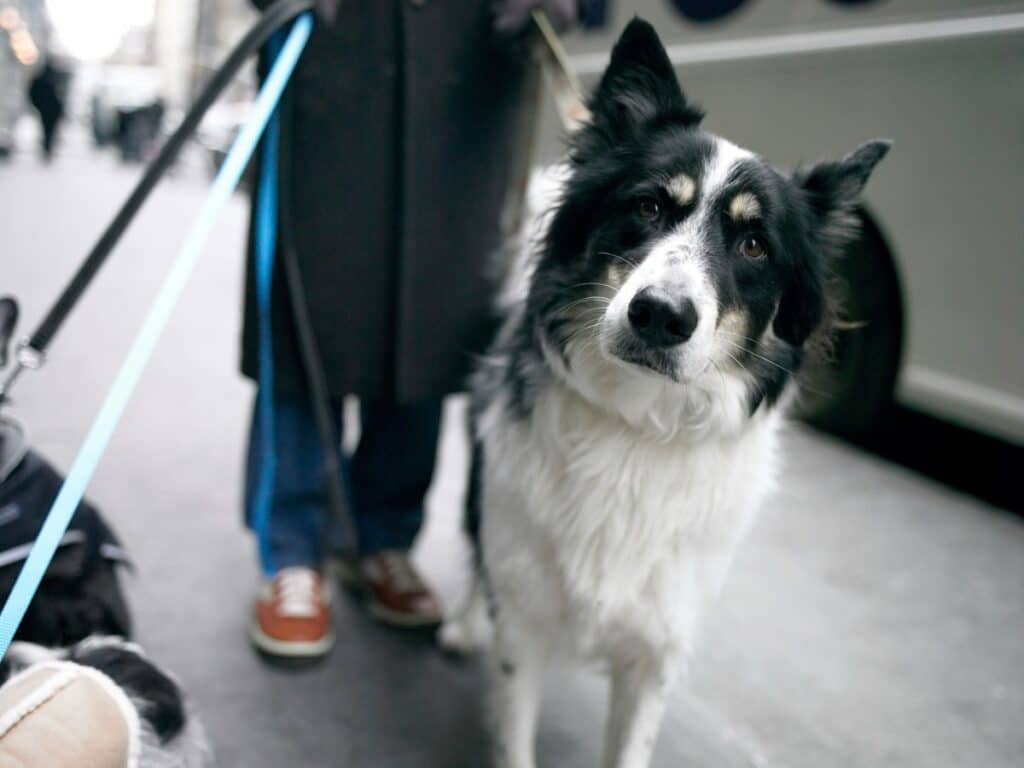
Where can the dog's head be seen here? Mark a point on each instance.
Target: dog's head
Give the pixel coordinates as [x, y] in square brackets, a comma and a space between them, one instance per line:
[678, 261]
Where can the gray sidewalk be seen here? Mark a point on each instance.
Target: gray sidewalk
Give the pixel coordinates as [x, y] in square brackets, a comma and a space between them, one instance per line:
[873, 619]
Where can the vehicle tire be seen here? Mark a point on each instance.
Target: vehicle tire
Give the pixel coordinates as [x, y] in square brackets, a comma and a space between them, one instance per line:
[846, 389]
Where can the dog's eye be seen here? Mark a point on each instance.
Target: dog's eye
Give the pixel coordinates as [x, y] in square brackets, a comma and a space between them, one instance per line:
[648, 208]
[753, 248]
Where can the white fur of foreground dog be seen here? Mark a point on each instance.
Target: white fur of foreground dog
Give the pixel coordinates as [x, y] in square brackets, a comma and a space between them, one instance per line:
[608, 529]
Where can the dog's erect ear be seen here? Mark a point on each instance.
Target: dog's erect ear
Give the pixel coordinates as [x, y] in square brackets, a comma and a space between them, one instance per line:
[639, 86]
[832, 191]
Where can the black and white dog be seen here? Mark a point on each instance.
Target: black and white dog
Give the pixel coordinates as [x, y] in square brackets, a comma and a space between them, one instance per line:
[628, 412]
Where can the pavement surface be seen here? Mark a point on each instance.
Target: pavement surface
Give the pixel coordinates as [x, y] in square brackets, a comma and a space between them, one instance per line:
[873, 619]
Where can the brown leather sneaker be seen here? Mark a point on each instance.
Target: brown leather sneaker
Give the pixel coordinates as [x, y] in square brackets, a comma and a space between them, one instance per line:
[292, 615]
[395, 593]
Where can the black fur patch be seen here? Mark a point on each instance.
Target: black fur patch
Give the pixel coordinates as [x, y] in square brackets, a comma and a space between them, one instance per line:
[163, 707]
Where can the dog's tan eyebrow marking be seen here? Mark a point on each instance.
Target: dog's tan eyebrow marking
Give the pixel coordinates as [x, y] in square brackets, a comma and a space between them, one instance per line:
[682, 189]
[744, 207]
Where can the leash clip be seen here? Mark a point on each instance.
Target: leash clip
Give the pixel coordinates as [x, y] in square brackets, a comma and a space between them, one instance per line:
[27, 356]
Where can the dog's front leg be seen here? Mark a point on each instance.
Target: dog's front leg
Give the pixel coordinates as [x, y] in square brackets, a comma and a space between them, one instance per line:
[639, 691]
[519, 669]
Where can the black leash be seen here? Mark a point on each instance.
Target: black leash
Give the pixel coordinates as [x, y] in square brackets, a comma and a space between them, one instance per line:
[309, 349]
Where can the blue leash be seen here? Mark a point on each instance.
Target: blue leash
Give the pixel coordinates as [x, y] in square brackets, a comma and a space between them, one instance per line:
[91, 452]
[265, 247]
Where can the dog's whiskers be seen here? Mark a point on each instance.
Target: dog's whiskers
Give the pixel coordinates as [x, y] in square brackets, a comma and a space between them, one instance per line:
[632, 264]
[758, 388]
[611, 288]
[604, 300]
[737, 335]
[759, 357]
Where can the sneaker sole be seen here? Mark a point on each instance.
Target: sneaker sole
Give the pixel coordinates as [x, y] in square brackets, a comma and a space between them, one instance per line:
[306, 649]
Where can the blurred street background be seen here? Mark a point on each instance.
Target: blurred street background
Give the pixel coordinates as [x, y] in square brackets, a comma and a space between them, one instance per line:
[876, 616]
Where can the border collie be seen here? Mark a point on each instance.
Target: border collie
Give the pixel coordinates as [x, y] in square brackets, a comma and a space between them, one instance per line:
[627, 414]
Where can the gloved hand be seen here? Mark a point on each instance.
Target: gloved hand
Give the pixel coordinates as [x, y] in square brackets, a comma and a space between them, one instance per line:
[513, 16]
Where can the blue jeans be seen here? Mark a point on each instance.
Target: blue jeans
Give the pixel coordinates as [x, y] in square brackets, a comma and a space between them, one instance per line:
[385, 479]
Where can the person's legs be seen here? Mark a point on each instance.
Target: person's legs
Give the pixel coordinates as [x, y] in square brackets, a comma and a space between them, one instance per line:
[285, 503]
[49, 132]
[389, 475]
[285, 508]
[391, 471]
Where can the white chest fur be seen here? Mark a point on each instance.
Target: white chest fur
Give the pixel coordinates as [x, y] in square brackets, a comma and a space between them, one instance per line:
[605, 535]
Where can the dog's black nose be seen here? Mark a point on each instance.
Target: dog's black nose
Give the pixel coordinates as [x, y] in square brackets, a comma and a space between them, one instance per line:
[661, 323]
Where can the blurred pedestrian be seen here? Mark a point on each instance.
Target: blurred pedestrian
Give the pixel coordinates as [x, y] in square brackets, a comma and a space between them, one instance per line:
[405, 142]
[46, 93]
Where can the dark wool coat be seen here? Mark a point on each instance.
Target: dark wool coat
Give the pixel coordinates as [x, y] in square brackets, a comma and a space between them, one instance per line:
[408, 127]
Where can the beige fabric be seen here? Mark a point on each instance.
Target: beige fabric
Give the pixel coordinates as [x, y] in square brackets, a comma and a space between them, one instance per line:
[61, 715]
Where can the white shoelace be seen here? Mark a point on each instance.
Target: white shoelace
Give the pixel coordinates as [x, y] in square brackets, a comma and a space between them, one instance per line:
[297, 592]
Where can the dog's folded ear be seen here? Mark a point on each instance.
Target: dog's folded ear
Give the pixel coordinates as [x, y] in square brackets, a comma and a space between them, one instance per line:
[832, 190]
[639, 87]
